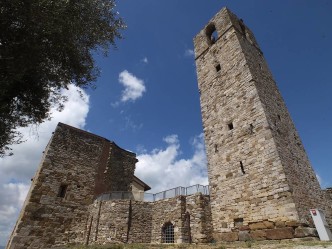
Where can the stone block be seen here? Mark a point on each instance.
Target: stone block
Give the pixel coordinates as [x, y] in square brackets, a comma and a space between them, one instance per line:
[258, 235]
[292, 223]
[257, 226]
[301, 232]
[268, 224]
[280, 233]
[229, 237]
[244, 236]
[244, 228]
[280, 224]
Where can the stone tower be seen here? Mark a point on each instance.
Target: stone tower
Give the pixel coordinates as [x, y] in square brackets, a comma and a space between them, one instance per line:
[258, 170]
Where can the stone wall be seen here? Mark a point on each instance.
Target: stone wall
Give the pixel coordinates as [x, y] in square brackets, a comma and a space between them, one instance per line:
[108, 222]
[258, 170]
[303, 184]
[75, 168]
[199, 213]
[328, 197]
[120, 170]
[127, 221]
[140, 222]
[168, 210]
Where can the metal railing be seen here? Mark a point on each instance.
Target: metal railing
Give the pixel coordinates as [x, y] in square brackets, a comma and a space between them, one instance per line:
[150, 197]
[121, 195]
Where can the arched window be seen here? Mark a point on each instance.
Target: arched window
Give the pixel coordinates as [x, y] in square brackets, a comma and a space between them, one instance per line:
[168, 233]
[211, 33]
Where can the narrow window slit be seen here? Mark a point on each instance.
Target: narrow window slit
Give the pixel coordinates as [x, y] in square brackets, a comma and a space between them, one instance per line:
[242, 168]
[230, 126]
[218, 67]
[251, 129]
[62, 190]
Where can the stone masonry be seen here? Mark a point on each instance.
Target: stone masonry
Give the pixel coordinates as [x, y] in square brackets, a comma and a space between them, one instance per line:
[62, 206]
[77, 167]
[127, 221]
[258, 170]
[261, 182]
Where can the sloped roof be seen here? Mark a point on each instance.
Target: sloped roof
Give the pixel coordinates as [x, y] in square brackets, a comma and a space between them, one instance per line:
[140, 182]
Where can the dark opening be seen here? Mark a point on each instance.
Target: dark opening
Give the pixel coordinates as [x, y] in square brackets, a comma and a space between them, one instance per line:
[168, 233]
[251, 129]
[279, 117]
[230, 126]
[238, 222]
[218, 68]
[216, 148]
[211, 33]
[62, 190]
[242, 168]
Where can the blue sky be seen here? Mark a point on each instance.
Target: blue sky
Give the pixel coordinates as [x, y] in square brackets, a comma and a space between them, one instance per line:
[295, 37]
[147, 96]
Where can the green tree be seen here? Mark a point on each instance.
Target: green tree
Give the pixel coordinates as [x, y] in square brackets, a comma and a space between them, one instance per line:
[44, 46]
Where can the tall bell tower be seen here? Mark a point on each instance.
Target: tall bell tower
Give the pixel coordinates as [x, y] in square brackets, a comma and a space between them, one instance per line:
[258, 170]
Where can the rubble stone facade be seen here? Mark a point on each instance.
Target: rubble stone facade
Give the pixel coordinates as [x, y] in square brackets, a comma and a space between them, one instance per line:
[261, 182]
[259, 174]
[63, 207]
[127, 221]
[77, 166]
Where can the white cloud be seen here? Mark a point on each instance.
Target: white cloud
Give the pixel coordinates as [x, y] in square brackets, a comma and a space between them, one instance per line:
[189, 53]
[163, 169]
[134, 87]
[145, 60]
[17, 170]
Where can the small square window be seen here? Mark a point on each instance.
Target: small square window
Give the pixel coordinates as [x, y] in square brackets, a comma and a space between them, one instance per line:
[238, 222]
[218, 67]
[230, 126]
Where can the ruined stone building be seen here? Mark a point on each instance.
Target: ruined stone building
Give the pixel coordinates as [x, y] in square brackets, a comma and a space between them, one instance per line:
[261, 184]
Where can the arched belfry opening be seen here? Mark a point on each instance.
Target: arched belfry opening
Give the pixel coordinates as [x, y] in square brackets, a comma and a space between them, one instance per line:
[211, 33]
[168, 233]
